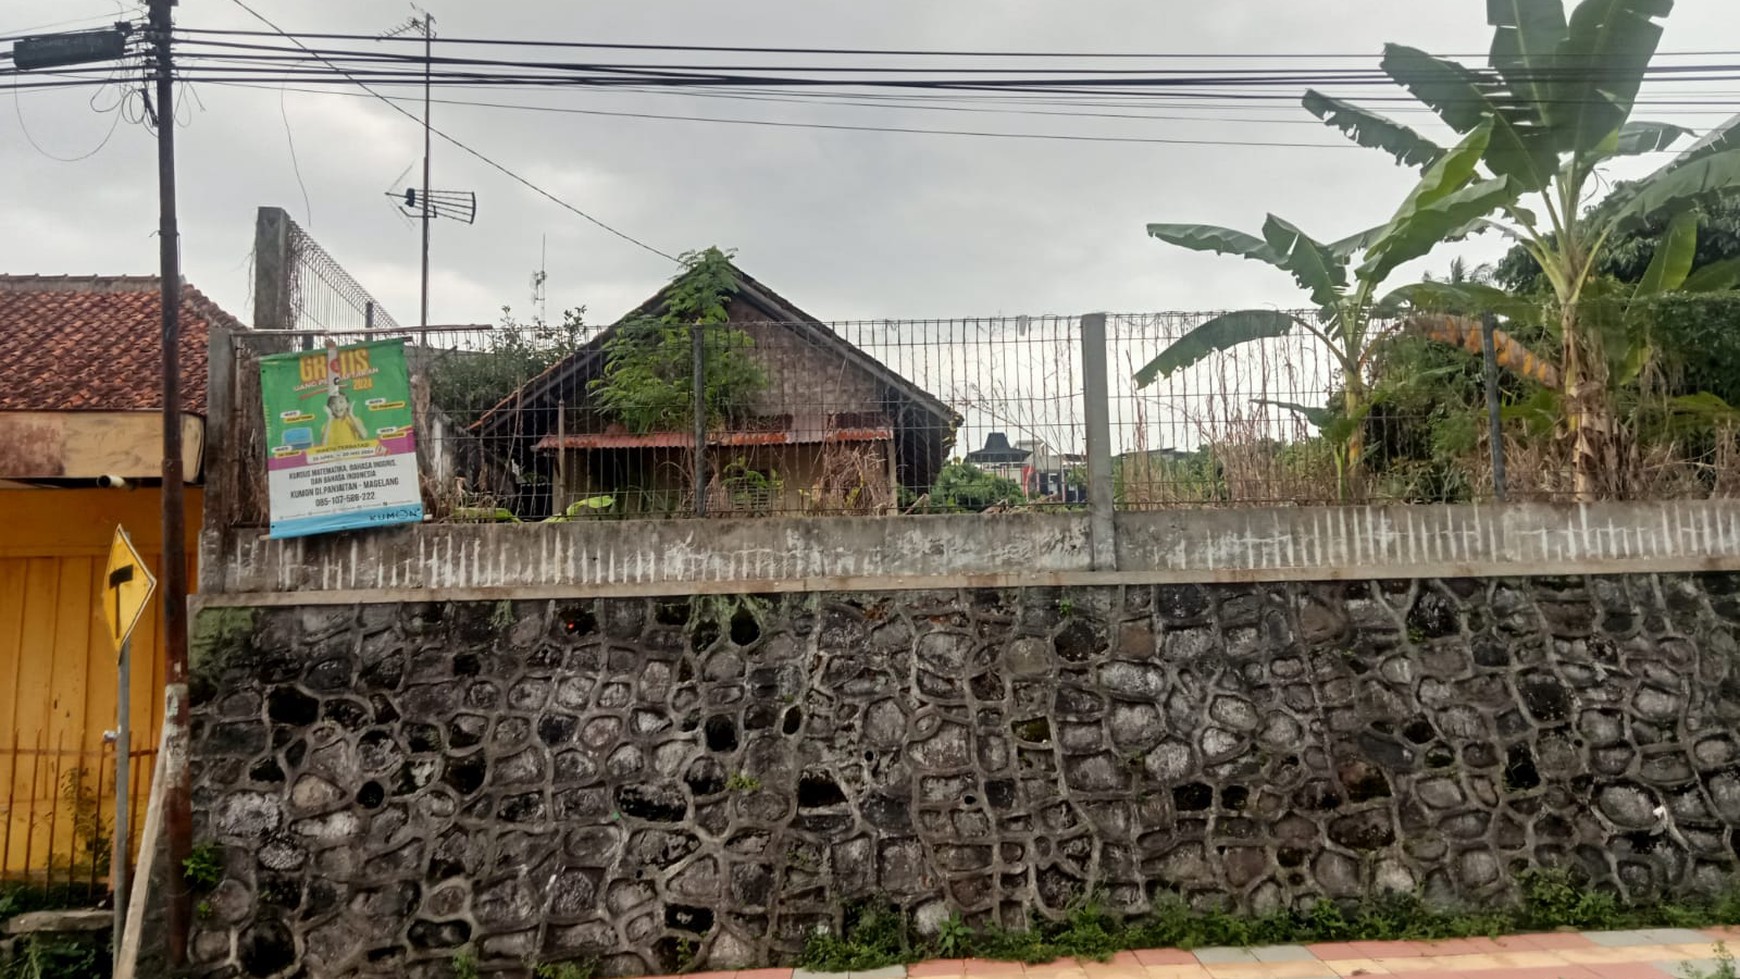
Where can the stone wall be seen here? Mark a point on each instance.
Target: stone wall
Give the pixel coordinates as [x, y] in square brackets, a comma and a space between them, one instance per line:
[641, 781]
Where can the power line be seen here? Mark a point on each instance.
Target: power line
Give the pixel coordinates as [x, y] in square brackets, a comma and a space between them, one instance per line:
[454, 141]
[844, 127]
[978, 103]
[269, 53]
[883, 52]
[381, 66]
[24, 127]
[1143, 87]
[1222, 99]
[220, 70]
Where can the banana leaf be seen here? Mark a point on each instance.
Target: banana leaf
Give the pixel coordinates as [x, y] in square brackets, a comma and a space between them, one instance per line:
[1220, 333]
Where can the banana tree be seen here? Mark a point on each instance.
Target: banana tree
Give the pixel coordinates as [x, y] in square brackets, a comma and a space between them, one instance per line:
[1558, 96]
[1617, 314]
[1448, 199]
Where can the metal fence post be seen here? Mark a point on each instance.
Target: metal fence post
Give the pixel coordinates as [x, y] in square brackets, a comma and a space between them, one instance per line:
[1096, 392]
[1495, 428]
[123, 801]
[699, 394]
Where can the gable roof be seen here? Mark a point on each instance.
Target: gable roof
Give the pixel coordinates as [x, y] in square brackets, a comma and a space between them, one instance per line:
[93, 343]
[773, 308]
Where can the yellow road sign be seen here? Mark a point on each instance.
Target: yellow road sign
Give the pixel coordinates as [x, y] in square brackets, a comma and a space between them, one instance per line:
[127, 588]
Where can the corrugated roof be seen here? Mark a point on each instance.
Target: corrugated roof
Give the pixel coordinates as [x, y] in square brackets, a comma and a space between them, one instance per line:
[93, 343]
[682, 440]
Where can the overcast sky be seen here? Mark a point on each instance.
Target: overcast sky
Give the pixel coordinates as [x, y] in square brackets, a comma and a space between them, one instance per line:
[846, 224]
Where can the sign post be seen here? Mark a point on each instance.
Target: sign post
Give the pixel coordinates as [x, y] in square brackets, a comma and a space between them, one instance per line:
[127, 588]
[340, 439]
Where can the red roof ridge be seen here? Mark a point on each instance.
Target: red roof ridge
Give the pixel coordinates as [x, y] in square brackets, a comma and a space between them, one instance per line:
[79, 283]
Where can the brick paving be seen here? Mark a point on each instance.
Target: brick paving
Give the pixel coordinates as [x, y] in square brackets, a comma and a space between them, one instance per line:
[1652, 953]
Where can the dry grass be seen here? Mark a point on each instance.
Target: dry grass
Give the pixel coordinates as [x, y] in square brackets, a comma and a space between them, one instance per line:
[853, 480]
[1257, 455]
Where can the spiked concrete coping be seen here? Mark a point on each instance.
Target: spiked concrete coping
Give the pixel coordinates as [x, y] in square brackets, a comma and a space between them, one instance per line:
[630, 558]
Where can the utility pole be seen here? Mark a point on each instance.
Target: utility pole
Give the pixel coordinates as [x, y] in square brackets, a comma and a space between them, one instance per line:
[428, 64]
[80, 47]
[426, 208]
[178, 809]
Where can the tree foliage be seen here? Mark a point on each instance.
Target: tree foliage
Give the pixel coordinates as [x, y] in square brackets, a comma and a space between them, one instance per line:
[1629, 252]
[964, 486]
[467, 383]
[1448, 198]
[1557, 100]
[648, 380]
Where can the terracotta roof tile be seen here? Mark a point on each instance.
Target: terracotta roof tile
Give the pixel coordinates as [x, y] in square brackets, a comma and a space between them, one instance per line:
[91, 343]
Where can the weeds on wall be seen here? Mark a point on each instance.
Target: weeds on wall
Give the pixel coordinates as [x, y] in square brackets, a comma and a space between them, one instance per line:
[583, 969]
[877, 934]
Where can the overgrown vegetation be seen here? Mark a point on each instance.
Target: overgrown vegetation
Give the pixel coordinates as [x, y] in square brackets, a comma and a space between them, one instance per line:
[52, 956]
[1601, 401]
[1347, 297]
[464, 964]
[93, 836]
[581, 969]
[204, 867]
[964, 487]
[468, 383]
[648, 382]
[221, 636]
[1724, 968]
[877, 934]
[22, 898]
[1549, 161]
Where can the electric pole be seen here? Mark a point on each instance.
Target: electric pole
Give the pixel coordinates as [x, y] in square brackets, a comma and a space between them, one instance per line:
[177, 796]
[426, 210]
[82, 47]
[428, 64]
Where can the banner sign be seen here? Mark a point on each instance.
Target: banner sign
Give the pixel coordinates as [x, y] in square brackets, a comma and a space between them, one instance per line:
[341, 449]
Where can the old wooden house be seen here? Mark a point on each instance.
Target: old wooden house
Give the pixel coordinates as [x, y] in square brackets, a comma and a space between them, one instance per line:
[803, 422]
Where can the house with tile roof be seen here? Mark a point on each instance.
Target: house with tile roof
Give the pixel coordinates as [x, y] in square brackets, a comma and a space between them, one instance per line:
[80, 399]
[81, 375]
[823, 428]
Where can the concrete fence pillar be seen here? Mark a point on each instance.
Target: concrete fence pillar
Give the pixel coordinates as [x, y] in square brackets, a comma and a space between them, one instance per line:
[1096, 390]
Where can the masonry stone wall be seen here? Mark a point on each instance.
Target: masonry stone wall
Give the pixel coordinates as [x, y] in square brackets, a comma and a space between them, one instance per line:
[642, 781]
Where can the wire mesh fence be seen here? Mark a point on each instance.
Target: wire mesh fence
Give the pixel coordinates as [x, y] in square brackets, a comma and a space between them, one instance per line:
[565, 422]
[323, 296]
[60, 808]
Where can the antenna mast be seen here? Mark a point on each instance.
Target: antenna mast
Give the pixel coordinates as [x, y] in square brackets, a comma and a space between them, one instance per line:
[424, 22]
[540, 298]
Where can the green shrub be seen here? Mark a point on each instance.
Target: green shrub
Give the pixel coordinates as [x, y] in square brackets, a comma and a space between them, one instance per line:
[877, 935]
[60, 957]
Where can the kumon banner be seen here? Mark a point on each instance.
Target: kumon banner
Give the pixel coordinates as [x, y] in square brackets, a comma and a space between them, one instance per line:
[340, 445]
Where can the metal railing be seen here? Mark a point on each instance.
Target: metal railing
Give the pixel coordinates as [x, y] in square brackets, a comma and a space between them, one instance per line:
[916, 416]
[60, 808]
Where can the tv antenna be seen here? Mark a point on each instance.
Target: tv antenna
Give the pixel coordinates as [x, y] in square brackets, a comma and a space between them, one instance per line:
[540, 298]
[429, 204]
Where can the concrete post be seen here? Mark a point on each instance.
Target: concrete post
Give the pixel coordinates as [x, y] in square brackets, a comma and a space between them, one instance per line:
[219, 464]
[272, 265]
[1098, 396]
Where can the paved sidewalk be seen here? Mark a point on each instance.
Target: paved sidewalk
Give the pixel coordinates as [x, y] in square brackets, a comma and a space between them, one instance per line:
[1655, 953]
